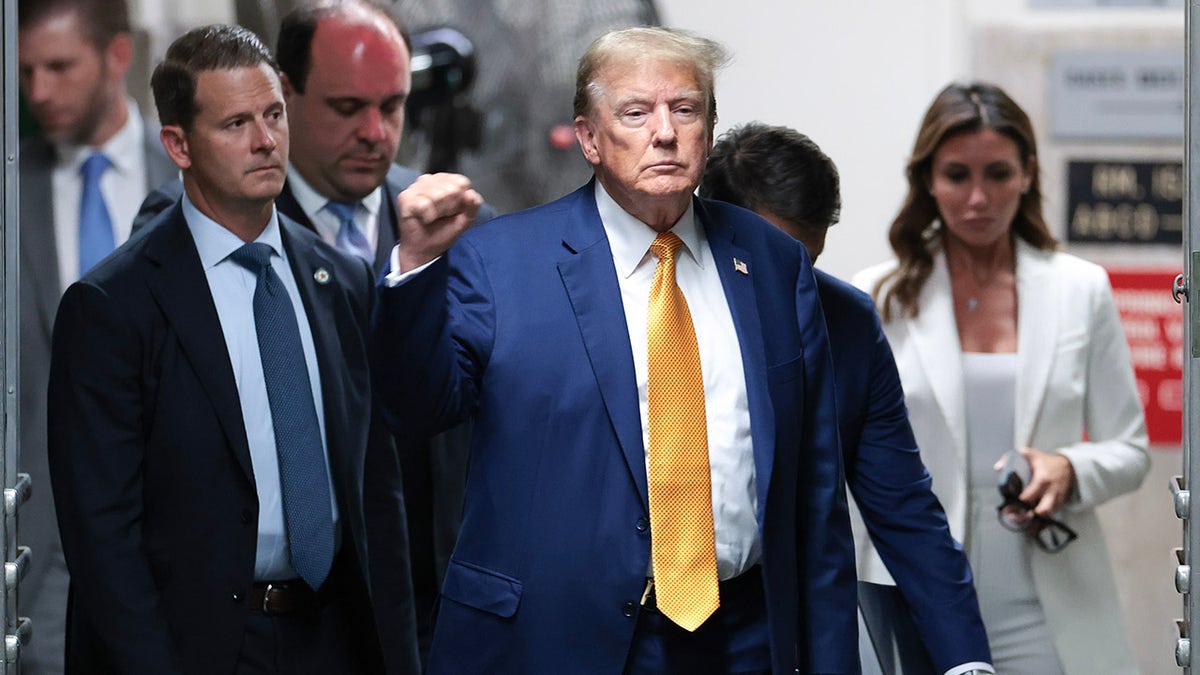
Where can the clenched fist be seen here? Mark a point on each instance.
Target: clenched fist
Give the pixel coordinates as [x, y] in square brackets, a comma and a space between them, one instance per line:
[434, 211]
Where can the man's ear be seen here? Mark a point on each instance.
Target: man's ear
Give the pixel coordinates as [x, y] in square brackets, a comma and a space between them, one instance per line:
[118, 55]
[585, 133]
[174, 141]
[286, 84]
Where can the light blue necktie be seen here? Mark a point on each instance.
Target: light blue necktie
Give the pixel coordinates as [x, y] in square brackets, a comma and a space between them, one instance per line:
[350, 237]
[303, 476]
[95, 225]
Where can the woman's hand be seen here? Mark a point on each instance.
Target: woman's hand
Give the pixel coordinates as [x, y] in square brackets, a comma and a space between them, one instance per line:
[1051, 482]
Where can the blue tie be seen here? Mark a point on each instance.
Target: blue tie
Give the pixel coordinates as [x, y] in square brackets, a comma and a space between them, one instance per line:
[350, 237]
[95, 225]
[302, 473]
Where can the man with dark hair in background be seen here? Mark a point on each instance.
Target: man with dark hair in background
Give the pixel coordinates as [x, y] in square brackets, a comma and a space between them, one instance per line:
[346, 76]
[80, 182]
[783, 176]
[216, 464]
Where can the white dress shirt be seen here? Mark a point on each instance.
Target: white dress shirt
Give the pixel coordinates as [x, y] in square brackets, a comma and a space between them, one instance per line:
[123, 186]
[232, 288]
[313, 203]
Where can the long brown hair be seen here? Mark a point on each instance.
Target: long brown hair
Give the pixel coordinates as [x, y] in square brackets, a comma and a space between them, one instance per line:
[957, 109]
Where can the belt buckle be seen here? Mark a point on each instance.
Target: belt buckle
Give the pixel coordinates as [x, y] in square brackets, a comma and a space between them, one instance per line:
[267, 596]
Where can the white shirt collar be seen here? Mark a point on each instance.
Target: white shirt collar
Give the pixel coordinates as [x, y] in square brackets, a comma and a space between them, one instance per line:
[214, 243]
[312, 201]
[630, 238]
[120, 149]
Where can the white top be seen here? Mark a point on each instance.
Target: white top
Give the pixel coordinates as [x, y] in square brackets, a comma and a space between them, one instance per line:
[990, 383]
[313, 203]
[123, 186]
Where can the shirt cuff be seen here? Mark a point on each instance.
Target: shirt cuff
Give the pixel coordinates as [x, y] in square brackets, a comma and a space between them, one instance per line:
[968, 667]
[394, 278]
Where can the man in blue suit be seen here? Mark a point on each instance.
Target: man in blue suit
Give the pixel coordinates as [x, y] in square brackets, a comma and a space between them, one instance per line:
[216, 466]
[784, 177]
[548, 326]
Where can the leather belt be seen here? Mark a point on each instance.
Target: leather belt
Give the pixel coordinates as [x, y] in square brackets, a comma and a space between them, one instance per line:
[284, 597]
[726, 588]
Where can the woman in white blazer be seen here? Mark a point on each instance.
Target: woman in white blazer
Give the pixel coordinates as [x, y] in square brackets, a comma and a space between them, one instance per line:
[1011, 350]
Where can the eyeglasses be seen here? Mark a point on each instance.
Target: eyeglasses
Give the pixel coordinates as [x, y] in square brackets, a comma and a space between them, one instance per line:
[1049, 534]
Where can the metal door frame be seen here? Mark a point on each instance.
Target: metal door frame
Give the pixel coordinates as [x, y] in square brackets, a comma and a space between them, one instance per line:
[16, 487]
[1184, 287]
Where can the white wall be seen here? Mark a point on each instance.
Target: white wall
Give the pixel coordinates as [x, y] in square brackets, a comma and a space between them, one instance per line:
[855, 76]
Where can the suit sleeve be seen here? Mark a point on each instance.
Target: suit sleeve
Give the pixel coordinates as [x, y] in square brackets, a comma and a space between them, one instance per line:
[1113, 460]
[905, 520]
[96, 440]
[432, 337]
[829, 620]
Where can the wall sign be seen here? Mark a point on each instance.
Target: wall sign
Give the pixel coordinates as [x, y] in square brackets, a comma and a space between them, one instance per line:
[1089, 4]
[1153, 326]
[1123, 202]
[1129, 94]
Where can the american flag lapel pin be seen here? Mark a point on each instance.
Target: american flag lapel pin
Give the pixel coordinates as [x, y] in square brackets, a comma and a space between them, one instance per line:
[740, 266]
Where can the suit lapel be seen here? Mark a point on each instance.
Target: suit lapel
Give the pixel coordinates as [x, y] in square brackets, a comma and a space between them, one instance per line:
[743, 306]
[387, 232]
[38, 245]
[181, 289]
[1037, 335]
[591, 284]
[934, 334]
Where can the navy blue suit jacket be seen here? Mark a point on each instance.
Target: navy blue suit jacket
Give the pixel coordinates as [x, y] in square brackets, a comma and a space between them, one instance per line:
[151, 468]
[521, 324]
[891, 486]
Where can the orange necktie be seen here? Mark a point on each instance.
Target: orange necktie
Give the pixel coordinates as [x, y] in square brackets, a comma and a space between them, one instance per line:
[681, 521]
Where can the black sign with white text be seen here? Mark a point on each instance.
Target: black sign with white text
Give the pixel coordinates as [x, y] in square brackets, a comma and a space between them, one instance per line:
[1124, 202]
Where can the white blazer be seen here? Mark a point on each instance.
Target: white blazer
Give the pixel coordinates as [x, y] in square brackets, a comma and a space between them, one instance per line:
[1074, 376]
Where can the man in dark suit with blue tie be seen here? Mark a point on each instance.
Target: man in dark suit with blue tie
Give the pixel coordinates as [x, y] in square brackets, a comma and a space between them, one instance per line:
[784, 177]
[346, 76]
[216, 466]
[80, 179]
[655, 482]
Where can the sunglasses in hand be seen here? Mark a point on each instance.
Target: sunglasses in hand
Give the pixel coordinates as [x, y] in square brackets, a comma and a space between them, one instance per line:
[1015, 515]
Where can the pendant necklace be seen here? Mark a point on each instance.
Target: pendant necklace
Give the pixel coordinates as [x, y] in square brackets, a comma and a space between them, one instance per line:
[980, 286]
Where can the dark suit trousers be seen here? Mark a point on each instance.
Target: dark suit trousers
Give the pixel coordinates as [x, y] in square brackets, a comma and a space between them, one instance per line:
[733, 641]
[338, 637]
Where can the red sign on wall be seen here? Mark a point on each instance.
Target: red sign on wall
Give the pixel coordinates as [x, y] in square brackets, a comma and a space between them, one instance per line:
[1153, 324]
